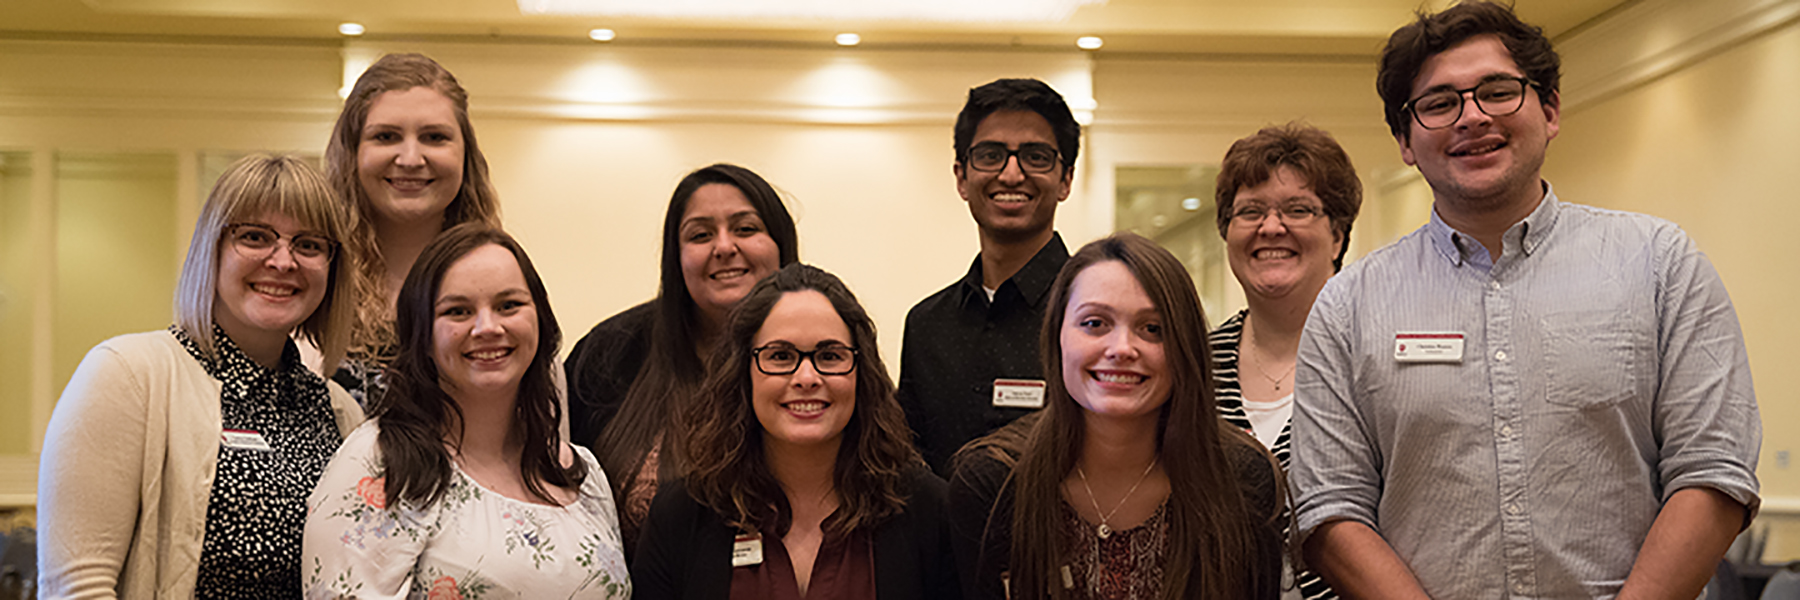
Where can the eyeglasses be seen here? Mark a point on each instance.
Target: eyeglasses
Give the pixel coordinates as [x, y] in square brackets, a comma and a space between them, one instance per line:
[1443, 108]
[1033, 158]
[785, 360]
[257, 242]
[1252, 215]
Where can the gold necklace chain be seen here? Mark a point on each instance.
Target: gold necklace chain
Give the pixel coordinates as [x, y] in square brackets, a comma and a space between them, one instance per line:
[1104, 530]
[1275, 381]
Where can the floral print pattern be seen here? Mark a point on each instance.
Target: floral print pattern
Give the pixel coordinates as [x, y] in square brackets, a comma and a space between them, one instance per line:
[472, 544]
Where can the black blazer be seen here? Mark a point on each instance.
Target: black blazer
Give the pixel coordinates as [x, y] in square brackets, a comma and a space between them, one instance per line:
[684, 551]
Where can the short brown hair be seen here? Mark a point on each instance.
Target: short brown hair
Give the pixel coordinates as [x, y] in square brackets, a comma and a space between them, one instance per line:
[1410, 46]
[1311, 153]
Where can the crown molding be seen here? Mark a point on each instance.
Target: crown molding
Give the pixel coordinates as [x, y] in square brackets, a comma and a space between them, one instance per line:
[1648, 40]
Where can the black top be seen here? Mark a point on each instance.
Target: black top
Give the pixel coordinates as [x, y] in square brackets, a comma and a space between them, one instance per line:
[601, 367]
[685, 549]
[981, 513]
[957, 343]
[256, 511]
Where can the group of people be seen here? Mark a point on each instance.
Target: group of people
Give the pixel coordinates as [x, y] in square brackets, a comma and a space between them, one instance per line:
[360, 395]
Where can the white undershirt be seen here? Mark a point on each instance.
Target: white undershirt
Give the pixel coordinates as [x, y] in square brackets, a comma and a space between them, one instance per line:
[1268, 418]
[990, 293]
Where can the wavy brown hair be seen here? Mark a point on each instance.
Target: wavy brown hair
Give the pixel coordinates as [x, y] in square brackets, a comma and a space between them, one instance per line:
[722, 440]
[417, 414]
[1213, 531]
[373, 335]
[673, 370]
[1313, 154]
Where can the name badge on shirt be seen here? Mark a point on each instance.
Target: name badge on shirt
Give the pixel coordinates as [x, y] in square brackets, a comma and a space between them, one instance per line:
[241, 439]
[746, 550]
[1019, 393]
[1428, 347]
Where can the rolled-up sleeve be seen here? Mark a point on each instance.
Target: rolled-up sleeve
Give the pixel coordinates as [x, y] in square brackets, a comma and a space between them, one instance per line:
[1705, 411]
[1336, 468]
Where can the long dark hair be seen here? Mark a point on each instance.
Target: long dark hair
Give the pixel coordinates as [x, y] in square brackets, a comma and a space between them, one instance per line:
[726, 467]
[415, 412]
[1212, 529]
[672, 370]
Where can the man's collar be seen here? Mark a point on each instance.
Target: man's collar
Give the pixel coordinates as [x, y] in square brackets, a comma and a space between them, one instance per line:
[1033, 279]
[1527, 235]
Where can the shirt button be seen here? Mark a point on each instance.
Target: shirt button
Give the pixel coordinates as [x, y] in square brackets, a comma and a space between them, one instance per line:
[1495, 285]
[1519, 588]
[1506, 430]
[1512, 509]
[1500, 355]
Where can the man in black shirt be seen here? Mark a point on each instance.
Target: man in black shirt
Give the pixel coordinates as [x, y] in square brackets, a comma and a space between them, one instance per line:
[969, 360]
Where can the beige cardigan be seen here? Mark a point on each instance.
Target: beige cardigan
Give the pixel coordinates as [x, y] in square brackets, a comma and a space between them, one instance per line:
[127, 471]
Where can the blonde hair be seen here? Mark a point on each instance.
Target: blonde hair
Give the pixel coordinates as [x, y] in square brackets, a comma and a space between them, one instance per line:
[475, 199]
[255, 185]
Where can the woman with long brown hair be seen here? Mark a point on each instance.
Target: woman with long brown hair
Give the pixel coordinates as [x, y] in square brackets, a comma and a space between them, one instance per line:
[403, 154]
[801, 479]
[1129, 485]
[459, 484]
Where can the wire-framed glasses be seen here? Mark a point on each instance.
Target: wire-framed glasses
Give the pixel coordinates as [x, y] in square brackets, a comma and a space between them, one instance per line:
[1496, 97]
[1252, 215]
[782, 359]
[256, 241]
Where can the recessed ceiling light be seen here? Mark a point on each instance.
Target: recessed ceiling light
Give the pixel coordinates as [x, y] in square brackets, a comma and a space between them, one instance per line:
[1190, 203]
[848, 39]
[1089, 42]
[350, 29]
[602, 35]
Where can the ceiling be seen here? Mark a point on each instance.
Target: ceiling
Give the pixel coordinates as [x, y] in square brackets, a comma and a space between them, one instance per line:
[1340, 27]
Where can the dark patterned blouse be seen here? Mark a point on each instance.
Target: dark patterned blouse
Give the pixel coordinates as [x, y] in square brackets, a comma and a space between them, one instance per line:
[279, 433]
[1126, 564]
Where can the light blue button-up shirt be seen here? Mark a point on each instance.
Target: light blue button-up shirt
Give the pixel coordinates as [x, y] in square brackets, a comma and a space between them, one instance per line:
[1602, 369]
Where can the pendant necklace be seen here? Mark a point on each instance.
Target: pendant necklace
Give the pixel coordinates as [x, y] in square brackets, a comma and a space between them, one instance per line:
[1104, 530]
[1276, 381]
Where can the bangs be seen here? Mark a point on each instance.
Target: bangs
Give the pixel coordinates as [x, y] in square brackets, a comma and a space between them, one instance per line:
[300, 195]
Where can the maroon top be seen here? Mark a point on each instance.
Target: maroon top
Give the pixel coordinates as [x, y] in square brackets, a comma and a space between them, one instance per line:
[1127, 564]
[845, 568]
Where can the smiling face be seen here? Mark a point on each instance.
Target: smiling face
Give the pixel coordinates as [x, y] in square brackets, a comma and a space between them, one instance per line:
[1112, 353]
[410, 157]
[485, 325]
[1480, 163]
[805, 408]
[725, 249]
[1010, 204]
[1273, 259]
[260, 302]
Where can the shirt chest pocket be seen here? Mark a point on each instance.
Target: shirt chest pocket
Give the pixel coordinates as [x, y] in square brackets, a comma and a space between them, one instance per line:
[1592, 358]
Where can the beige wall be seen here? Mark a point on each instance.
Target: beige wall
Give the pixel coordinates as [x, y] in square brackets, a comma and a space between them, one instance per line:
[1709, 145]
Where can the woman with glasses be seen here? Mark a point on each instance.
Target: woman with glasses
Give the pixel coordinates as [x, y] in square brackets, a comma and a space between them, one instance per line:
[178, 462]
[459, 485]
[801, 477]
[1128, 485]
[403, 154]
[1286, 198]
[725, 229]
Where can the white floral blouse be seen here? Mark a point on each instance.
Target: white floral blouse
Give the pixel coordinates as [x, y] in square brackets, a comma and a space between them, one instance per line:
[472, 543]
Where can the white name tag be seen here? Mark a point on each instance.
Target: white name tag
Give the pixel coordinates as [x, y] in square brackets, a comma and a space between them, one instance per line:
[746, 550]
[1428, 346]
[1019, 393]
[244, 440]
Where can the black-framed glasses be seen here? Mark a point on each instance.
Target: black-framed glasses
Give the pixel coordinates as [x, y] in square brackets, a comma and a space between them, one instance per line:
[1251, 215]
[782, 359]
[1033, 158]
[1496, 97]
[256, 241]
